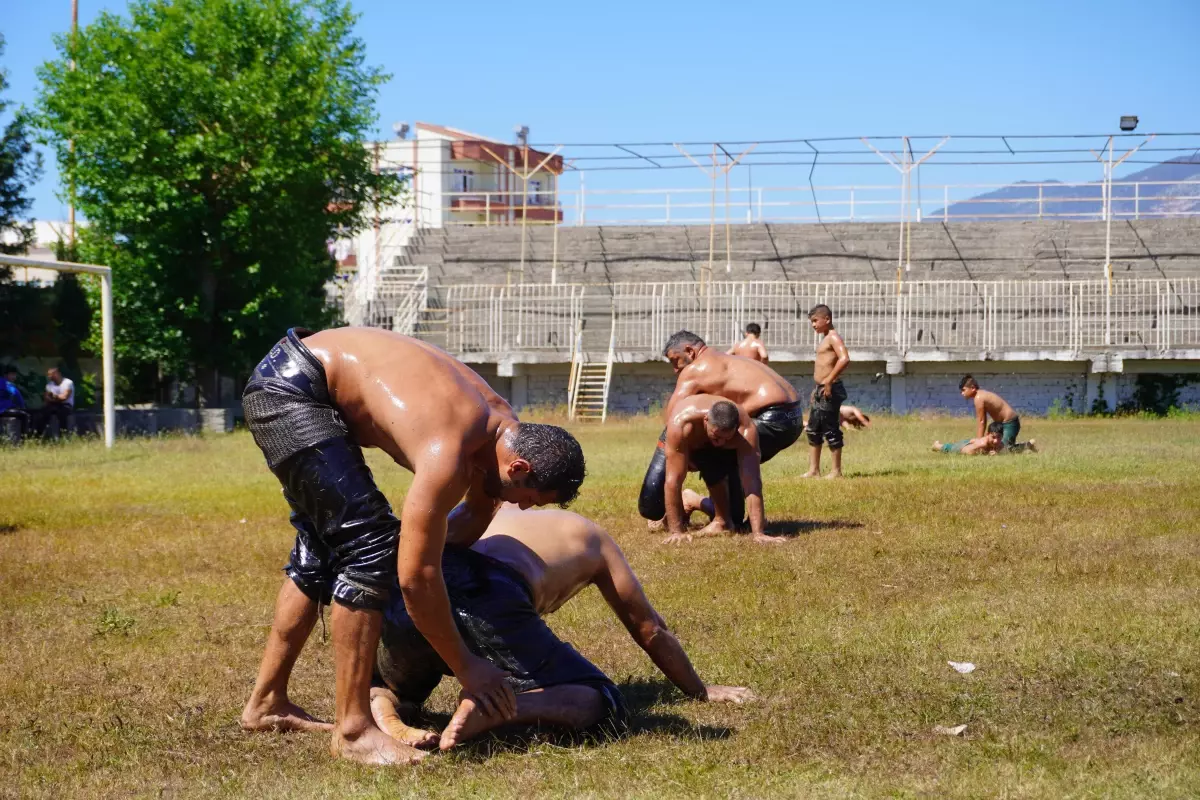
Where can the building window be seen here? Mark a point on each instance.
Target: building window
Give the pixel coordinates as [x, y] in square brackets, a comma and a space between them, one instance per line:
[535, 192]
[464, 180]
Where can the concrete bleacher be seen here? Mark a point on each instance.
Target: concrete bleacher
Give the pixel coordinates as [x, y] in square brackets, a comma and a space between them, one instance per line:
[1032, 250]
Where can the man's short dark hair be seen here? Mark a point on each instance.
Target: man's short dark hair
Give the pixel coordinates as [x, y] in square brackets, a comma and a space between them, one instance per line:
[724, 415]
[968, 381]
[996, 428]
[681, 339]
[753, 329]
[821, 310]
[555, 459]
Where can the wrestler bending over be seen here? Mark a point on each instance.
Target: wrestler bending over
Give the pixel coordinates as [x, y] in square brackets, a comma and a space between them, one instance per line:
[528, 565]
[312, 404]
[714, 436]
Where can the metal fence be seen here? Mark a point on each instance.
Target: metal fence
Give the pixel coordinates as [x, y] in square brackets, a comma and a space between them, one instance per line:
[965, 316]
[1134, 200]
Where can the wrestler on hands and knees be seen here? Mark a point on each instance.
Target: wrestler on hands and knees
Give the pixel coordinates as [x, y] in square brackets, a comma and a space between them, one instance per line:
[721, 441]
[528, 565]
[312, 403]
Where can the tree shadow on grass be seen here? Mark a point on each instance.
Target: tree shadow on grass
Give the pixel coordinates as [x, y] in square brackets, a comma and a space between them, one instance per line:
[796, 527]
[640, 697]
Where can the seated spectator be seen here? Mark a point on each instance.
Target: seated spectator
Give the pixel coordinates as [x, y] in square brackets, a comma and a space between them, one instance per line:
[12, 404]
[60, 402]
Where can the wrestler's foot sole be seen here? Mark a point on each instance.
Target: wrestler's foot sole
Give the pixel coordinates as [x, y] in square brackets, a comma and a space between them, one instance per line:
[713, 529]
[279, 715]
[384, 712]
[373, 746]
[468, 722]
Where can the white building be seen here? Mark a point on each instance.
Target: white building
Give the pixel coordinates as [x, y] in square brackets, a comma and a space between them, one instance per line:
[46, 234]
[455, 178]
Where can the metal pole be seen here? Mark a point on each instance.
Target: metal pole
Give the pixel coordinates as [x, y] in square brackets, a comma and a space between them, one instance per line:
[946, 203]
[110, 416]
[71, 208]
[581, 217]
[1108, 217]
[1040, 201]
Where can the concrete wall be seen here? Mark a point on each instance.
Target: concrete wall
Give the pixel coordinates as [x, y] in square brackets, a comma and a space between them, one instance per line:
[1031, 387]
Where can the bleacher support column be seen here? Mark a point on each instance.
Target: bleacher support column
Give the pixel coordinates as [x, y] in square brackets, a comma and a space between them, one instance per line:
[1102, 383]
[899, 386]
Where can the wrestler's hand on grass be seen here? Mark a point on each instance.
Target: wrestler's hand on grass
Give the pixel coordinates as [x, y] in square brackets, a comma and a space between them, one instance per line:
[485, 684]
[730, 694]
[678, 538]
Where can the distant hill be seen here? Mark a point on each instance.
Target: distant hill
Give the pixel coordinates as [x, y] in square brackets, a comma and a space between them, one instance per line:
[1020, 200]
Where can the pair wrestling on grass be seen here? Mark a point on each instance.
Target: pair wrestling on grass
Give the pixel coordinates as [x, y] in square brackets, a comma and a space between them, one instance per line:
[313, 402]
[998, 437]
[728, 415]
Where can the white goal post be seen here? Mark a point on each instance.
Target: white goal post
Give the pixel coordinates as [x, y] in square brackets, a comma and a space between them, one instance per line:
[106, 325]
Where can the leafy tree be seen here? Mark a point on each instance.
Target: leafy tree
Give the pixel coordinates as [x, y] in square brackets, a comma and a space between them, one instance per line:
[19, 167]
[218, 148]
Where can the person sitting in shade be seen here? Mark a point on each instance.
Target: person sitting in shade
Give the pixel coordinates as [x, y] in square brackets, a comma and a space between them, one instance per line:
[59, 398]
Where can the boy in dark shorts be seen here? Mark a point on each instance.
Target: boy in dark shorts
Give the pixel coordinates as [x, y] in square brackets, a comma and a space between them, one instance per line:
[824, 419]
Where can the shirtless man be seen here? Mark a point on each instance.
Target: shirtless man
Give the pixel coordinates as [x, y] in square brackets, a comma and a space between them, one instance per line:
[312, 403]
[751, 347]
[721, 441]
[989, 404]
[772, 403]
[824, 420]
[989, 444]
[527, 565]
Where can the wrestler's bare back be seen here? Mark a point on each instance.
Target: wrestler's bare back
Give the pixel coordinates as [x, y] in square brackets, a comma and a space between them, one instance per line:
[406, 397]
[750, 348]
[750, 384]
[559, 553]
[994, 405]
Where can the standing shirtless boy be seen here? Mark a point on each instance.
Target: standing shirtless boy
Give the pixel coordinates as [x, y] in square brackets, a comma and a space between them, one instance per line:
[751, 347]
[824, 420]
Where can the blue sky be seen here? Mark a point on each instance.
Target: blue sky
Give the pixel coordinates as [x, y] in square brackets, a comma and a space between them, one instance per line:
[629, 72]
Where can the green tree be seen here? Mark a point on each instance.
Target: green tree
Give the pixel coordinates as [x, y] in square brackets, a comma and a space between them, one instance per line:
[19, 167]
[218, 149]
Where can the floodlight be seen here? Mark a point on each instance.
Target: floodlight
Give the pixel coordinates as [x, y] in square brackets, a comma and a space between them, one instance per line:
[400, 129]
[522, 134]
[1128, 123]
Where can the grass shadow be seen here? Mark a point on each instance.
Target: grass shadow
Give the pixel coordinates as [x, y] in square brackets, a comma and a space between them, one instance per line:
[640, 697]
[8, 527]
[797, 527]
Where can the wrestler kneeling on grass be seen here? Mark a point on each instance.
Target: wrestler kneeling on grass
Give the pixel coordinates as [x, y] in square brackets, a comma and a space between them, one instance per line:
[528, 564]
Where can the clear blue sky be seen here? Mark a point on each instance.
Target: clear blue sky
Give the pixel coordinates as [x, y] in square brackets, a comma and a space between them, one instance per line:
[657, 71]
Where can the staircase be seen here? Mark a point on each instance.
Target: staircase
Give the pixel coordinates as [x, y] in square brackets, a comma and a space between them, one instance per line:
[591, 378]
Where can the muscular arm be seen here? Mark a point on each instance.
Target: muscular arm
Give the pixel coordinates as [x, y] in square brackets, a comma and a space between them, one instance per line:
[685, 387]
[762, 355]
[434, 491]
[980, 417]
[843, 358]
[624, 595]
[470, 518]
[677, 464]
[749, 466]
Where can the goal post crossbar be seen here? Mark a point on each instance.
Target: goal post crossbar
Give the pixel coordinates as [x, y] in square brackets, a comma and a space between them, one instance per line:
[106, 325]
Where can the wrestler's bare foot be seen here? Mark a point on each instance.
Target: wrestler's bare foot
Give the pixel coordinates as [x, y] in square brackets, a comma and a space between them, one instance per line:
[1032, 446]
[271, 714]
[383, 709]
[655, 524]
[837, 473]
[468, 722]
[714, 528]
[762, 538]
[693, 501]
[937, 446]
[811, 474]
[373, 746]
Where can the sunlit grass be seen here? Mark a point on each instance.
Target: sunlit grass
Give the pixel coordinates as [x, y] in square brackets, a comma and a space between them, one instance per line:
[139, 586]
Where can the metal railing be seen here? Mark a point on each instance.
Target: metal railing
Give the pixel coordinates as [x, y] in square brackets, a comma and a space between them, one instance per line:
[915, 316]
[868, 203]
[401, 295]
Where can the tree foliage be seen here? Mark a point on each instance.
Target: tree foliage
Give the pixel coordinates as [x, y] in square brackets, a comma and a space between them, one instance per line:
[218, 149]
[20, 166]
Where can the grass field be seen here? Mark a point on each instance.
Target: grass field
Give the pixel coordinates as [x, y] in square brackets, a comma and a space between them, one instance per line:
[139, 584]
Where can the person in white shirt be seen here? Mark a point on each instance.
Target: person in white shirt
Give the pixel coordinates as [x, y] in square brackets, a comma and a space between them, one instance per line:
[59, 400]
